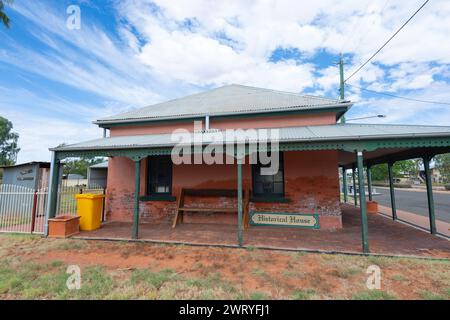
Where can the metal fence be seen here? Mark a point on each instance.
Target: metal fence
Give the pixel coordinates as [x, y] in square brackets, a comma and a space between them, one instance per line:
[22, 210]
[67, 204]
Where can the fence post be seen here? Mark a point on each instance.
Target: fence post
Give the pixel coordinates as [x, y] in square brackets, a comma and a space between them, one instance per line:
[52, 190]
[33, 211]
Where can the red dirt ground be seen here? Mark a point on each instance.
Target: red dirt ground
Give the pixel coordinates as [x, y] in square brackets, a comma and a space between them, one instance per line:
[253, 270]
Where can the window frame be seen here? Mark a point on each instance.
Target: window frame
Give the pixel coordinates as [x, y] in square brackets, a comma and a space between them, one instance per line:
[150, 177]
[255, 168]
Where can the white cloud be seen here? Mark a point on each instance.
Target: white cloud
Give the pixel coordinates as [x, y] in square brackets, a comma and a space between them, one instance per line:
[39, 133]
[400, 111]
[257, 28]
[87, 59]
[44, 122]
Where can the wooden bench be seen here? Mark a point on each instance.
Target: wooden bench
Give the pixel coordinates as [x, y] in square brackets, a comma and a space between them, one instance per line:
[231, 193]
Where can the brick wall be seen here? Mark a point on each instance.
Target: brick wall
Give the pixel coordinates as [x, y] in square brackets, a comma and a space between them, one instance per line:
[311, 184]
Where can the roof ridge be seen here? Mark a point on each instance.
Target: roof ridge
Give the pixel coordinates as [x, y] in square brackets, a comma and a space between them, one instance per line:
[282, 92]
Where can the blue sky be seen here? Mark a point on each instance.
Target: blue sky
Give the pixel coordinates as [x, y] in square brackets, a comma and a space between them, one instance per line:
[55, 81]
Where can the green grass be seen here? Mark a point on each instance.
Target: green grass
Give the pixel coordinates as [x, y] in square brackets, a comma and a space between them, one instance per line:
[387, 261]
[68, 203]
[167, 285]
[96, 283]
[257, 295]
[70, 244]
[207, 275]
[259, 273]
[56, 263]
[398, 277]
[48, 281]
[303, 294]
[373, 295]
[427, 295]
[293, 273]
[214, 280]
[153, 280]
[30, 280]
[345, 273]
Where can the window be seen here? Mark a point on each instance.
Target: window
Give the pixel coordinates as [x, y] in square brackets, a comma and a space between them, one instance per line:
[271, 186]
[159, 175]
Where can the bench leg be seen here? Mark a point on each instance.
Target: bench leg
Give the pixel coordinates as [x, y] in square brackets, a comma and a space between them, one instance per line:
[179, 215]
[175, 220]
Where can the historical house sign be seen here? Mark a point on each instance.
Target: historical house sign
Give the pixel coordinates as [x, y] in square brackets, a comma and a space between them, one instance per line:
[284, 219]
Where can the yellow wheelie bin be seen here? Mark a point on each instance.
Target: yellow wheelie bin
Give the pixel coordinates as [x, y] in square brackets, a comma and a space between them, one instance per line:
[89, 209]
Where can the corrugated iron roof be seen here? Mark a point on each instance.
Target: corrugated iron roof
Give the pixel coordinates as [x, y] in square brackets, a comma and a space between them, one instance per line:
[334, 132]
[41, 163]
[226, 100]
[101, 165]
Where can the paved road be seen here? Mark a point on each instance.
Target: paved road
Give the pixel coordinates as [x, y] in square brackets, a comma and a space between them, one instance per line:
[416, 202]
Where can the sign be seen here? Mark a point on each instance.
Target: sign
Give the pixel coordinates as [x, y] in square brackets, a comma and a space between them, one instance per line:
[285, 219]
[24, 178]
[23, 174]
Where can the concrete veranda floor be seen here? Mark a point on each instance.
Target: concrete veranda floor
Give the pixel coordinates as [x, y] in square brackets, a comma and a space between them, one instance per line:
[385, 236]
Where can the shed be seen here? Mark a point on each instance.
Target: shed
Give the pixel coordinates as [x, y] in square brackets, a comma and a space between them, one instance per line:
[97, 175]
[33, 175]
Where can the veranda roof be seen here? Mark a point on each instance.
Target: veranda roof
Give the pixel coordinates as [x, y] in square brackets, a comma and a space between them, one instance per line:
[324, 133]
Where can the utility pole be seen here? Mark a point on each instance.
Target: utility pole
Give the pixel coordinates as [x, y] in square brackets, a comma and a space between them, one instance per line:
[341, 83]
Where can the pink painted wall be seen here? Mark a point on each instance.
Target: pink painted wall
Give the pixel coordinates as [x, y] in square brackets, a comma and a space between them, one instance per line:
[239, 123]
[311, 182]
[275, 122]
[150, 129]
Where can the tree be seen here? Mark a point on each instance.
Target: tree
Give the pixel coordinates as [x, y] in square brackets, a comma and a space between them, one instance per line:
[443, 165]
[8, 143]
[5, 19]
[406, 167]
[81, 165]
[379, 172]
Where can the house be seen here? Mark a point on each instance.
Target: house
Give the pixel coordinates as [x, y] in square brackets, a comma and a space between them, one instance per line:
[74, 180]
[436, 175]
[302, 133]
[98, 175]
[32, 175]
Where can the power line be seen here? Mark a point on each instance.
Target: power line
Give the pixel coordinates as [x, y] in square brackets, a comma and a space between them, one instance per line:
[392, 37]
[398, 97]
